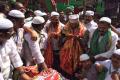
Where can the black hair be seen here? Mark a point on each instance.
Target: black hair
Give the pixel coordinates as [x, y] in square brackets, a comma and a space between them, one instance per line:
[4, 30]
[13, 18]
[36, 25]
[4, 8]
[15, 5]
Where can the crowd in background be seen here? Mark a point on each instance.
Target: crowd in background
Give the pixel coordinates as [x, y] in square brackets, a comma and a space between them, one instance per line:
[83, 46]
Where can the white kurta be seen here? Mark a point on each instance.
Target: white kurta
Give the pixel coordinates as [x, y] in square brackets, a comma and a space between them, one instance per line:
[18, 39]
[8, 54]
[1, 76]
[91, 26]
[43, 39]
[35, 48]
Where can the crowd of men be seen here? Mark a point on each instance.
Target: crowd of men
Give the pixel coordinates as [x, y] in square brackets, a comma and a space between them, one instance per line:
[73, 44]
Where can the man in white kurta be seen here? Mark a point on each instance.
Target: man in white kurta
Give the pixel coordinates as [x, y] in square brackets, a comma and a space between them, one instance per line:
[49, 27]
[113, 66]
[90, 24]
[113, 39]
[17, 17]
[8, 50]
[36, 46]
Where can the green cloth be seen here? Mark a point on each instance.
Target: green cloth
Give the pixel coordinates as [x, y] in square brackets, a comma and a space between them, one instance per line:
[102, 74]
[12, 1]
[70, 7]
[104, 45]
[100, 7]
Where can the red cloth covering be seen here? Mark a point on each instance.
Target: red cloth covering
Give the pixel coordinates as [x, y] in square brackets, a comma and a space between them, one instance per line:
[31, 70]
[69, 54]
[49, 74]
[49, 54]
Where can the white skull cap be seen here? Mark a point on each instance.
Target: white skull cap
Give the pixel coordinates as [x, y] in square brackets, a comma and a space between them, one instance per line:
[74, 18]
[39, 13]
[5, 23]
[117, 52]
[105, 19]
[16, 13]
[54, 13]
[89, 13]
[84, 57]
[38, 20]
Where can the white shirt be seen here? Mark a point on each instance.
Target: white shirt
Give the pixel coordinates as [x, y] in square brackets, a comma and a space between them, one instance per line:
[28, 19]
[43, 39]
[1, 76]
[8, 54]
[18, 39]
[27, 24]
[91, 26]
[109, 66]
[35, 48]
[118, 29]
[112, 48]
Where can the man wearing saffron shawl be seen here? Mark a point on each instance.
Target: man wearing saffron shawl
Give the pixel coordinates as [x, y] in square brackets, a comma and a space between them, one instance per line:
[74, 32]
[53, 29]
[103, 41]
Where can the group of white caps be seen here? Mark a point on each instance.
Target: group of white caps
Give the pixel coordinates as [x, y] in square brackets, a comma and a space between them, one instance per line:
[38, 19]
[6, 23]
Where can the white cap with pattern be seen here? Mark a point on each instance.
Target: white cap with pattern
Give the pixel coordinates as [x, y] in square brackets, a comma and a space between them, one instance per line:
[105, 19]
[89, 13]
[38, 20]
[74, 18]
[39, 13]
[54, 13]
[5, 23]
[84, 57]
[16, 13]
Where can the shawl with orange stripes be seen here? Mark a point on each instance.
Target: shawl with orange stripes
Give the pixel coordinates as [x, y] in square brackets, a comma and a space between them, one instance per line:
[69, 54]
[49, 50]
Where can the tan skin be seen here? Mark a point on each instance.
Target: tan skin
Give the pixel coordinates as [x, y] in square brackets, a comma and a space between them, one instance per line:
[19, 6]
[73, 26]
[103, 27]
[116, 64]
[18, 23]
[88, 19]
[115, 30]
[24, 76]
[85, 66]
[33, 33]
